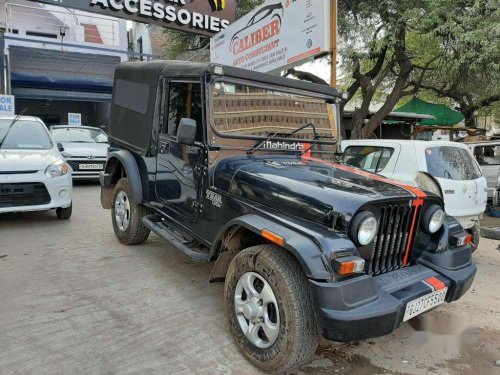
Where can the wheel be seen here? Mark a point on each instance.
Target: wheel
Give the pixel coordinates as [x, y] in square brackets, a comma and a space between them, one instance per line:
[64, 213]
[269, 309]
[492, 233]
[127, 216]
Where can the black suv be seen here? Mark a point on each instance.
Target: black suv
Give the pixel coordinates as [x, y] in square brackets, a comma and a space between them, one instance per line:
[238, 168]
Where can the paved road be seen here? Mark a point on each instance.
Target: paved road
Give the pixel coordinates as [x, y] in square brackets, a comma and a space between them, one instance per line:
[75, 301]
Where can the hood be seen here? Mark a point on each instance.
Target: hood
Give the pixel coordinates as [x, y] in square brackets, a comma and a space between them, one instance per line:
[308, 189]
[76, 149]
[27, 160]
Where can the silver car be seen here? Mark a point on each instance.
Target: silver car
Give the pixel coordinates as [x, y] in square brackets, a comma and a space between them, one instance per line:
[84, 148]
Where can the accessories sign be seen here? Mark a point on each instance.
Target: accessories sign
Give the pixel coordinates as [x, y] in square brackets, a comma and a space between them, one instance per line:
[277, 35]
[205, 17]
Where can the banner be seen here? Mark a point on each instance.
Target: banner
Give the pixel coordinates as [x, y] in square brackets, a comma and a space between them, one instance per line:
[205, 17]
[275, 36]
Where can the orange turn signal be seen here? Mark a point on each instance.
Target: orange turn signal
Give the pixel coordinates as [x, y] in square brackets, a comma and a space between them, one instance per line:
[468, 240]
[348, 265]
[273, 237]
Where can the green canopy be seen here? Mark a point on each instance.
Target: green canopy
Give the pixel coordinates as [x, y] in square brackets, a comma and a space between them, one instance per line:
[444, 116]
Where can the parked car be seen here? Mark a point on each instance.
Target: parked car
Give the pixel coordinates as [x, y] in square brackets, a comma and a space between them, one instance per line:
[444, 168]
[487, 154]
[33, 174]
[235, 167]
[84, 148]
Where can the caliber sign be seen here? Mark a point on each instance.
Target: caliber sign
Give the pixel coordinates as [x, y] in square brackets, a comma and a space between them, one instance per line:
[205, 17]
[277, 35]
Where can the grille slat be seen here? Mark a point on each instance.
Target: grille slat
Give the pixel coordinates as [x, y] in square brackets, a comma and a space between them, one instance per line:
[392, 238]
[23, 194]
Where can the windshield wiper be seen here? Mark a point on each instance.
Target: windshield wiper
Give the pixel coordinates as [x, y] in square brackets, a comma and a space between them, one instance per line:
[11, 125]
[260, 143]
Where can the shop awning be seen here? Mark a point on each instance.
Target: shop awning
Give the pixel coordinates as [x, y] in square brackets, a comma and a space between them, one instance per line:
[443, 115]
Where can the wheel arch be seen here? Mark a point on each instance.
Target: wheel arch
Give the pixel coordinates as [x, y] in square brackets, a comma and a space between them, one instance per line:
[121, 164]
[246, 231]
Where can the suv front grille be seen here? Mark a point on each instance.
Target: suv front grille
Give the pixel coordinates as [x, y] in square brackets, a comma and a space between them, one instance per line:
[390, 246]
[23, 194]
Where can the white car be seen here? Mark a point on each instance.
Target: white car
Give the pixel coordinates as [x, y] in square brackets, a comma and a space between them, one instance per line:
[487, 154]
[33, 174]
[84, 148]
[447, 169]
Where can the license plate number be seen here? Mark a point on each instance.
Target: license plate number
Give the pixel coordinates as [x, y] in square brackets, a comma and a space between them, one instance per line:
[91, 166]
[424, 303]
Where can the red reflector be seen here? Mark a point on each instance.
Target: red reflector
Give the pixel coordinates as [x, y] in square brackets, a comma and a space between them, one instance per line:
[436, 283]
[468, 240]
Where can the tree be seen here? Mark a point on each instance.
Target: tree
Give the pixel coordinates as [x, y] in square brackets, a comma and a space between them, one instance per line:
[468, 44]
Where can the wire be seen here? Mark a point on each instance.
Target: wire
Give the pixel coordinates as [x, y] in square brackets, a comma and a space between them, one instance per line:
[197, 53]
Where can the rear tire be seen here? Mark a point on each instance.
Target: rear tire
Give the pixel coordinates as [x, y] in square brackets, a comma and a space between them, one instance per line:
[491, 233]
[127, 216]
[297, 337]
[64, 213]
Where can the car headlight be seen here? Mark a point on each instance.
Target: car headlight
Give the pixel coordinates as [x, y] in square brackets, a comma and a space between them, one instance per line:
[364, 228]
[433, 219]
[427, 182]
[59, 168]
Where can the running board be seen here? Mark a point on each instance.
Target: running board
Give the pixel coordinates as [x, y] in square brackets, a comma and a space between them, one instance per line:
[151, 222]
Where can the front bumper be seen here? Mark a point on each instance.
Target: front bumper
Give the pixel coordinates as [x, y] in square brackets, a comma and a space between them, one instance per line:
[59, 189]
[366, 306]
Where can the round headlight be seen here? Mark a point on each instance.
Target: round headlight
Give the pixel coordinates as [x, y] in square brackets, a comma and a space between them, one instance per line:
[364, 228]
[433, 219]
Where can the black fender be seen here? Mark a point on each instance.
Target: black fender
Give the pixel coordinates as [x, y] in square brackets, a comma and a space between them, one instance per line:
[303, 248]
[127, 160]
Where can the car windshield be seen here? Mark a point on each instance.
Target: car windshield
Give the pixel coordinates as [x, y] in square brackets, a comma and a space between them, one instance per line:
[246, 111]
[77, 135]
[24, 134]
[452, 163]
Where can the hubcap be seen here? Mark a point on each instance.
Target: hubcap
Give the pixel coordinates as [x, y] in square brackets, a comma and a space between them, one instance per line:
[122, 211]
[256, 309]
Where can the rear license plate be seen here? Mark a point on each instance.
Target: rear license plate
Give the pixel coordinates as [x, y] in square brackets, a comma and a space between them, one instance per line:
[91, 166]
[424, 303]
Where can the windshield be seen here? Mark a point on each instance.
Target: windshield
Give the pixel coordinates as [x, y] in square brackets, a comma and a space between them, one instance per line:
[452, 163]
[79, 135]
[24, 134]
[241, 110]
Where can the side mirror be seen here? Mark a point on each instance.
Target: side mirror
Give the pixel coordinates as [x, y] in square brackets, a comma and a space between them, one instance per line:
[186, 132]
[60, 147]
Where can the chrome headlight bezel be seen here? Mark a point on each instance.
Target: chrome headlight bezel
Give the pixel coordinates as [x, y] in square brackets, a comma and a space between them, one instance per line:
[433, 219]
[364, 228]
[57, 169]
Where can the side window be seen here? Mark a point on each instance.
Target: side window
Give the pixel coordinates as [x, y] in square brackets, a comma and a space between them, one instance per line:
[184, 101]
[372, 159]
[487, 155]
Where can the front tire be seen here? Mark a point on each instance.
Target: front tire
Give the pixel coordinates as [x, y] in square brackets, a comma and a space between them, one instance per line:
[64, 213]
[269, 309]
[127, 216]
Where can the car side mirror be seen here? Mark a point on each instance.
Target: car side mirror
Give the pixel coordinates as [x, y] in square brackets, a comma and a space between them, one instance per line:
[186, 132]
[60, 147]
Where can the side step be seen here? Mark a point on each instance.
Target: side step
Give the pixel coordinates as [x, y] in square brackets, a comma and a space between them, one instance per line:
[166, 233]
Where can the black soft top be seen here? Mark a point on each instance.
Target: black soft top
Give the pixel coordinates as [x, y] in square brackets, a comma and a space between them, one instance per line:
[137, 88]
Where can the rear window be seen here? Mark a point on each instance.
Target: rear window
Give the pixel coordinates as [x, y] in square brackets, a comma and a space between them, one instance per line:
[452, 163]
[373, 159]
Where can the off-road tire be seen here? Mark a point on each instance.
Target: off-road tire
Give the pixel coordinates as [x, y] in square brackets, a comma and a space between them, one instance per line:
[136, 233]
[64, 213]
[298, 337]
[492, 233]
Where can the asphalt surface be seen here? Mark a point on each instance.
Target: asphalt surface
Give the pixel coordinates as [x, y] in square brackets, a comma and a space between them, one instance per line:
[73, 300]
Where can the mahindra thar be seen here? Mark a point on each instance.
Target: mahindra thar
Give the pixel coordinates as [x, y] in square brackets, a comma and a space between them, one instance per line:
[238, 168]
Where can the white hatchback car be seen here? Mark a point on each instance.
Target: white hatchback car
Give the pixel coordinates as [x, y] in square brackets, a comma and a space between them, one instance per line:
[33, 174]
[444, 168]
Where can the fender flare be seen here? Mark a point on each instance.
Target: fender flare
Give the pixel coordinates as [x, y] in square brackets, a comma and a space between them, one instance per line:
[127, 160]
[303, 248]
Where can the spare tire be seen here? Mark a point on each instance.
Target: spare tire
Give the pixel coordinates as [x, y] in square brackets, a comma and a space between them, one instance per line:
[492, 233]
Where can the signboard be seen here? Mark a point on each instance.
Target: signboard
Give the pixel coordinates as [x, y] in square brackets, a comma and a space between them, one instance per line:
[74, 118]
[7, 105]
[205, 17]
[277, 35]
